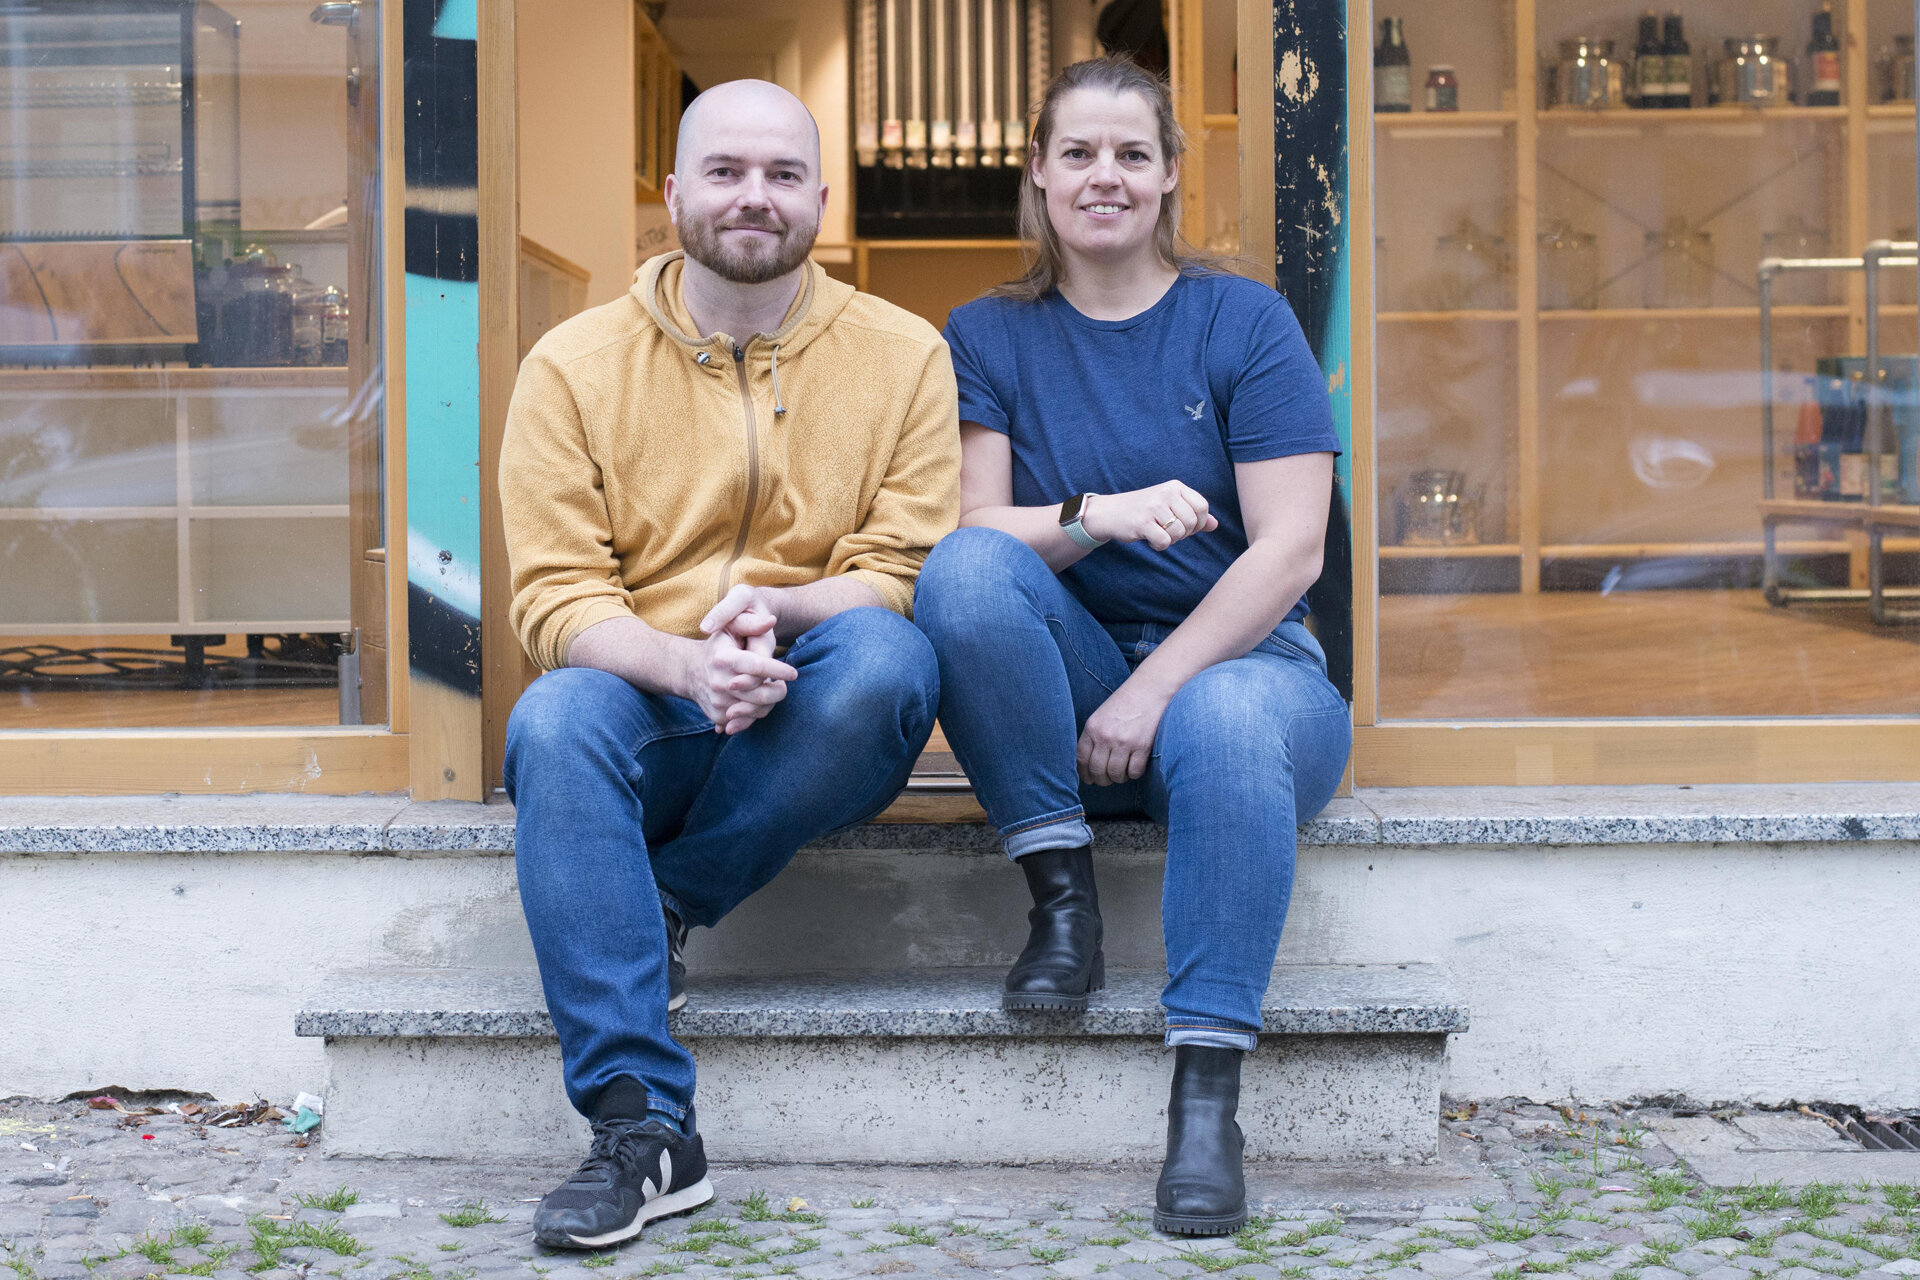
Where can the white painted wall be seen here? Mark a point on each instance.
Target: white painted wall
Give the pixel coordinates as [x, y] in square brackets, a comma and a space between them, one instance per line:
[576, 137]
[1727, 972]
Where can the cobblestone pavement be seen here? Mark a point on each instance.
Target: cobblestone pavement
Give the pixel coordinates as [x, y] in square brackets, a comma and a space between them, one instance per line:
[1522, 1190]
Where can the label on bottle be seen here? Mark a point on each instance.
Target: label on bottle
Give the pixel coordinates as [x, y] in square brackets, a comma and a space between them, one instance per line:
[1650, 77]
[1443, 97]
[1393, 88]
[1680, 78]
[1826, 71]
[1853, 476]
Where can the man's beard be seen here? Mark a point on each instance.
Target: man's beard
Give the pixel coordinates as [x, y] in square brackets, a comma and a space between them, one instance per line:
[754, 263]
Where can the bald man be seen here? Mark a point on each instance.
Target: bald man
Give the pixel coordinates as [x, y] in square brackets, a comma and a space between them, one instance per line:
[718, 492]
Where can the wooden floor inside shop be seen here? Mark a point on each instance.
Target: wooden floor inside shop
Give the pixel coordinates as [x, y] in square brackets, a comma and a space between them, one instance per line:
[1563, 655]
[1443, 657]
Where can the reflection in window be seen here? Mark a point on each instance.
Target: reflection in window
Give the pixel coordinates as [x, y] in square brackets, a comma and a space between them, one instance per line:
[186, 388]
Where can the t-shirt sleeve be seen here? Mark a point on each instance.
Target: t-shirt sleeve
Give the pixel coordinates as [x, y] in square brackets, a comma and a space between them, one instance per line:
[969, 336]
[1280, 405]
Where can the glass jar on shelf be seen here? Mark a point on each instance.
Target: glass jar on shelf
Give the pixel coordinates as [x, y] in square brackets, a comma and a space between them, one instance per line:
[1569, 268]
[1473, 269]
[1793, 238]
[1895, 71]
[333, 328]
[309, 310]
[1678, 270]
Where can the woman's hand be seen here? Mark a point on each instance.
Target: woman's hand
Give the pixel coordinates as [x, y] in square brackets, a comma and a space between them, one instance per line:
[1118, 739]
[1160, 515]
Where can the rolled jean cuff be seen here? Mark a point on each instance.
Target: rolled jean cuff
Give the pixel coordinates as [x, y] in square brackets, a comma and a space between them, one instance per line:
[1209, 1031]
[1065, 830]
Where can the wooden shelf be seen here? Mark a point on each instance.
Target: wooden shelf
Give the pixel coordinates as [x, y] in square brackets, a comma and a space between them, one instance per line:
[1441, 123]
[911, 245]
[1692, 116]
[1463, 551]
[1857, 514]
[1695, 313]
[1447, 317]
[1892, 111]
[168, 378]
[1221, 120]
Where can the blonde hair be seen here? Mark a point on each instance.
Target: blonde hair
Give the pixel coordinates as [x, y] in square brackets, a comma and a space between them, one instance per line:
[1040, 243]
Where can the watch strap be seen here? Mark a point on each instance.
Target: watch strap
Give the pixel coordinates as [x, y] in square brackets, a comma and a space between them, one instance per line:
[1074, 530]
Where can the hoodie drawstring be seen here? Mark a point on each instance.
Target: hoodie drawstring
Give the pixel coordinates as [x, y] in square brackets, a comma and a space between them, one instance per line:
[779, 410]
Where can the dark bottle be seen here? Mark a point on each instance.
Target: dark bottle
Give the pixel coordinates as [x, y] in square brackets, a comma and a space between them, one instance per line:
[1392, 69]
[1823, 61]
[1649, 64]
[1679, 57]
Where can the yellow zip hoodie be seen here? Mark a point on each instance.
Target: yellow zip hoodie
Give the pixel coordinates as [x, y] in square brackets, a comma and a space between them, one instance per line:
[646, 471]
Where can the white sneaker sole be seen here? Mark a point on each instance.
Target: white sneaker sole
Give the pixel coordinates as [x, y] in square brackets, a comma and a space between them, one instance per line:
[659, 1207]
[674, 1002]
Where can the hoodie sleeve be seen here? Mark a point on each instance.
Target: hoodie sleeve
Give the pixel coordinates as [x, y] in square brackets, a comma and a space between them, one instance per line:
[918, 502]
[554, 514]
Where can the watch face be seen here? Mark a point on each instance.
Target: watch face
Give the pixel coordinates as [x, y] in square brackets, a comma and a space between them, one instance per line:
[1070, 509]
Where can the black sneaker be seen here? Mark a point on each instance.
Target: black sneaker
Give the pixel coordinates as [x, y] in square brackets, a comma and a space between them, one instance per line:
[676, 960]
[637, 1171]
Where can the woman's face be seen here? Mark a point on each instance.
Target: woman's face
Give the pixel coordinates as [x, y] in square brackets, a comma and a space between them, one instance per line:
[1104, 173]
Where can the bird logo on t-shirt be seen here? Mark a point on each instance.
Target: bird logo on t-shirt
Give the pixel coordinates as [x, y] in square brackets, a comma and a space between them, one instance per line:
[1195, 410]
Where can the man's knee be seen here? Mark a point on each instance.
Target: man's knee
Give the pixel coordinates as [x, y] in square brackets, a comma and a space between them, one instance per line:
[869, 664]
[557, 714]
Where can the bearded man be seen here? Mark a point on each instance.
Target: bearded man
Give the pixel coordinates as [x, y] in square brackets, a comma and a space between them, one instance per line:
[718, 492]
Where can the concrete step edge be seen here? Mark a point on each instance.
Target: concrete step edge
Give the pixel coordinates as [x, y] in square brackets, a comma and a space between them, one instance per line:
[1411, 999]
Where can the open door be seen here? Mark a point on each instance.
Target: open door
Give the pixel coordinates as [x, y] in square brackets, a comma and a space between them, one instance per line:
[363, 691]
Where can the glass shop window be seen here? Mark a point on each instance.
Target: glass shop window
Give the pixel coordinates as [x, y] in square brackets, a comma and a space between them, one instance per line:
[1648, 424]
[190, 388]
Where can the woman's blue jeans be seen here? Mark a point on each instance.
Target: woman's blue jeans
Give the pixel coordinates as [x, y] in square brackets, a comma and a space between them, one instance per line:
[626, 801]
[1246, 750]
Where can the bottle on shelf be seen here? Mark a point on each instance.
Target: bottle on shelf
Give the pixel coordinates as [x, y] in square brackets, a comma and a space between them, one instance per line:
[1649, 64]
[1806, 442]
[1443, 89]
[1823, 60]
[1679, 57]
[1392, 69]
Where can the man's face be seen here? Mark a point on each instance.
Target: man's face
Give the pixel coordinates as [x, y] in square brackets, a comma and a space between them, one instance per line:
[748, 206]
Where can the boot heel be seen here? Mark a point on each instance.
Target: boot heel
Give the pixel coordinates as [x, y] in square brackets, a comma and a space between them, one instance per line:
[1098, 981]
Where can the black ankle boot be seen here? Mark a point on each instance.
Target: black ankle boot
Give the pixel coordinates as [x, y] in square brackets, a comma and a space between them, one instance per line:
[1062, 962]
[1202, 1191]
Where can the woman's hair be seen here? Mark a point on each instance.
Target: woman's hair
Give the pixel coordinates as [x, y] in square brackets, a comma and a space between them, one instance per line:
[1040, 245]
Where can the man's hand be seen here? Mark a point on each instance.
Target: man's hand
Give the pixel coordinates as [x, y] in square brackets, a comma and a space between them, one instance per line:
[1118, 739]
[735, 678]
[743, 601]
[1159, 515]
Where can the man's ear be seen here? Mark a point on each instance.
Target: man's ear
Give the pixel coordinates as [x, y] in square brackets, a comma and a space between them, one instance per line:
[667, 193]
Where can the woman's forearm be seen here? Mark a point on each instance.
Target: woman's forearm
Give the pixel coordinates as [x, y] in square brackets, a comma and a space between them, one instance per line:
[1250, 599]
[1038, 527]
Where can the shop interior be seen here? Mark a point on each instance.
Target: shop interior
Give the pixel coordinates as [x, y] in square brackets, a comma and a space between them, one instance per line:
[1570, 459]
[1568, 473]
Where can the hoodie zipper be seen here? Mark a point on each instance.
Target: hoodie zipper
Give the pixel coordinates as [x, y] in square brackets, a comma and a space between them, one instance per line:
[753, 471]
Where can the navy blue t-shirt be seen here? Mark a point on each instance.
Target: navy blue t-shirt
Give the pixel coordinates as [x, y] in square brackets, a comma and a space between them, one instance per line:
[1214, 373]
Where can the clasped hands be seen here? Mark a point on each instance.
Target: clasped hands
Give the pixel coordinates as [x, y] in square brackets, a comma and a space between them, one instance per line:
[732, 675]
[1117, 741]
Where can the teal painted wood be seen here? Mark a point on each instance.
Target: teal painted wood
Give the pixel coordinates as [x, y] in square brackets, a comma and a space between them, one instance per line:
[442, 391]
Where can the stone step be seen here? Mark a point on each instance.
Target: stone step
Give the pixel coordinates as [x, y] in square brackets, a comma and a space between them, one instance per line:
[891, 1067]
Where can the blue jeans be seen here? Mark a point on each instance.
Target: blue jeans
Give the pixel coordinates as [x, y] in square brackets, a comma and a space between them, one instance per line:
[628, 800]
[1246, 750]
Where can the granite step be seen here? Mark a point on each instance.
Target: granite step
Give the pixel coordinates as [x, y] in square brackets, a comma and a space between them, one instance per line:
[908, 1067]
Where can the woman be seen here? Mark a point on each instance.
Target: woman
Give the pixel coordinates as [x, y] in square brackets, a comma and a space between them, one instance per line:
[1147, 461]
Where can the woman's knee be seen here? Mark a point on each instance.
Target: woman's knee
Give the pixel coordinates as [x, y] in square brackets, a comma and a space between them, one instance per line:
[968, 572]
[1257, 715]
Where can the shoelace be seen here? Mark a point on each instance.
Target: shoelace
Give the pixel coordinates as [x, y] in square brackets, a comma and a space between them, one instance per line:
[615, 1143]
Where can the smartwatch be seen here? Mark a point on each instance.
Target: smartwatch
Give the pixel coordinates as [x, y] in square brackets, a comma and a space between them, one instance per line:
[1070, 513]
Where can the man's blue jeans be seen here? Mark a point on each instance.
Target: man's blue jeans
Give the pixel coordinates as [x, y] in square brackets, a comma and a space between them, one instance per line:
[1246, 750]
[627, 800]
